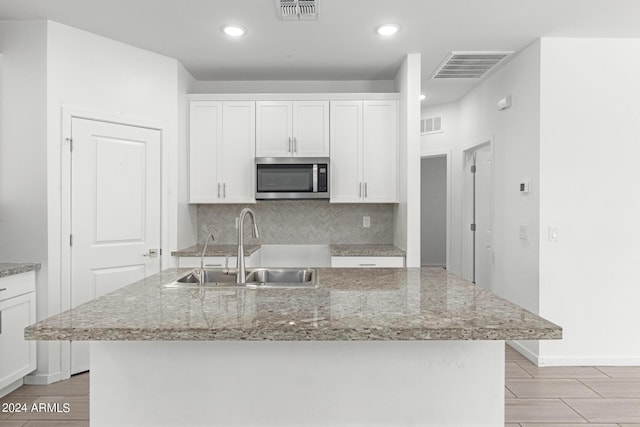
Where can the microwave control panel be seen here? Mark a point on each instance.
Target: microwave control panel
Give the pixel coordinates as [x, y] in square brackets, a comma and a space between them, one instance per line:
[322, 178]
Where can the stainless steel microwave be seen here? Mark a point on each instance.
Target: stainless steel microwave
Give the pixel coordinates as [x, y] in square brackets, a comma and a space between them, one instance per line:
[292, 178]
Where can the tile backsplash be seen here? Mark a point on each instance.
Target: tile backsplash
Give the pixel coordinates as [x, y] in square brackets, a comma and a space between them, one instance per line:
[300, 222]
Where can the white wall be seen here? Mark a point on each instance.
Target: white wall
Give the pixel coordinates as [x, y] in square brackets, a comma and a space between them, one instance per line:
[187, 234]
[590, 146]
[92, 73]
[23, 156]
[433, 211]
[294, 86]
[406, 214]
[515, 138]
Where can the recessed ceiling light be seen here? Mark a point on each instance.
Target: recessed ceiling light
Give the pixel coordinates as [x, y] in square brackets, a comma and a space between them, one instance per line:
[387, 29]
[234, 30]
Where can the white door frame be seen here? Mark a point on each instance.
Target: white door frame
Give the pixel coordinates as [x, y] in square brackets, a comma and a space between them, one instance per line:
[467, 209]
[447, 154]
[68, 114]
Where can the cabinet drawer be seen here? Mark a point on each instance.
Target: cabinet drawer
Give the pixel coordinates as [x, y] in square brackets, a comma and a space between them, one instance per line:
[18, 284]
[367, 261]
[218, 261]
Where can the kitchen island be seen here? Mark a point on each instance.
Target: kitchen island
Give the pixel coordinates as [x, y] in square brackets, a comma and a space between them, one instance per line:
[366, 347]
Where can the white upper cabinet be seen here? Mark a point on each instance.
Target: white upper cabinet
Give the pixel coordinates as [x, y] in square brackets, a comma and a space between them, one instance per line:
[346, 149]
[221, 151]
[380, 151]
[292, 129]
[364, 151]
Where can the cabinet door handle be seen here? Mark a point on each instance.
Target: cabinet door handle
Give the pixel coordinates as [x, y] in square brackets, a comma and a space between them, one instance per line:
[213, 265]
[289, 144]
[367, 265]
[224, 190]
[295, 144]
[360, 190]
[365, 190]
[218, 190]
[3, 289]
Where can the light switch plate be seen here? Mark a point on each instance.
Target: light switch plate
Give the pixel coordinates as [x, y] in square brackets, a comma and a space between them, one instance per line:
[524, 232]
[553, 234]
[366, 221]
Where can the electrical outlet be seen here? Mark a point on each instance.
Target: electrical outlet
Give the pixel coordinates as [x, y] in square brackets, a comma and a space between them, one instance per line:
[237, 220]
[366, 221]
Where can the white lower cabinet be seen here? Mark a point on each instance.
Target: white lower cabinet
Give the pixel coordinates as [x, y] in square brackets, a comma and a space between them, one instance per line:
[17, 311]
[367, 261]
[252, 260]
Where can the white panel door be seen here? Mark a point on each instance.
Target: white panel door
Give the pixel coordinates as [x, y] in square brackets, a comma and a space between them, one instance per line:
[205, 134]
[311, 128]
[483, 197]
[379, 151]
[346, 144]
[115, 211]
[274, 128]
[237, 152]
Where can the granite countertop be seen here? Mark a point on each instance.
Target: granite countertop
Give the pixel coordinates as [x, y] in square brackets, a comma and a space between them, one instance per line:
[348, 305]
[366, 250]
[216, 250]
[11, 268]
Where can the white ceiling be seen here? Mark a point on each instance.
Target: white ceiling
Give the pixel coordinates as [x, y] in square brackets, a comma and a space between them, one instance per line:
[341, 45]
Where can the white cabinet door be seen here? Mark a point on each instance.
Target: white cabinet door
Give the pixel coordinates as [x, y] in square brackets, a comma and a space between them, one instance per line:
[17, 355]
[237, 152]
[274, 128]
[379, 151]
[205, 134]
[221, 152]
[346, 146]
[364, 151]
[311, 128]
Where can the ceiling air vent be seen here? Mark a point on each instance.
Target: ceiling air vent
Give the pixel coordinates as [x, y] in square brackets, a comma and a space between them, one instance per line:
[304, 10]
[469, 65]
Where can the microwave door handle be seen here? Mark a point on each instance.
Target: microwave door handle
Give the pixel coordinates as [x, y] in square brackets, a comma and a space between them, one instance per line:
[315, 178]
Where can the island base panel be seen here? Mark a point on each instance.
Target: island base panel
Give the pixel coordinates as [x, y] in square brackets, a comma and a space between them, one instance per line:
[276, 383]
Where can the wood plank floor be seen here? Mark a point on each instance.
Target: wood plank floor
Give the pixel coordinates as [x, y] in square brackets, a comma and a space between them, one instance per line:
[534, 397]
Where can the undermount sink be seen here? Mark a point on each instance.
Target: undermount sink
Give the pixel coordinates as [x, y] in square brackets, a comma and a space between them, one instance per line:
[255, 278]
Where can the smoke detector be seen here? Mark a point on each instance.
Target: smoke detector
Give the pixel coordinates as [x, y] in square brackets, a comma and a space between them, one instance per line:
[297, 10]
[469, 65]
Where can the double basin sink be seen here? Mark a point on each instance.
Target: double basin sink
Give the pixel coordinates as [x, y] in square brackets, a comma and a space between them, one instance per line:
[255, 278]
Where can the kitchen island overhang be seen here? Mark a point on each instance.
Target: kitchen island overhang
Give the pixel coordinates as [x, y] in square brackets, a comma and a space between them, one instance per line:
[367, 347]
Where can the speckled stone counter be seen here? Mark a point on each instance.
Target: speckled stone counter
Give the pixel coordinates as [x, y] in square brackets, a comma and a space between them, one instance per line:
[11, 268]
[348, 304]
[215, 250]
[366, 250]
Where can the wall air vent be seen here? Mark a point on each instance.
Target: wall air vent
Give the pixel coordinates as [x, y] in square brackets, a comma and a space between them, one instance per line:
[297, 10]
[469, 65]
[431, 125]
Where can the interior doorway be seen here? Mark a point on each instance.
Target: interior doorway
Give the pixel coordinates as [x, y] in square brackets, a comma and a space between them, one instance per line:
[433, 211]
[115, 211]
[478, 202]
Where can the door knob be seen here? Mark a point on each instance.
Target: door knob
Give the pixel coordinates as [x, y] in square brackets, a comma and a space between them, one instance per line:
[152, 253]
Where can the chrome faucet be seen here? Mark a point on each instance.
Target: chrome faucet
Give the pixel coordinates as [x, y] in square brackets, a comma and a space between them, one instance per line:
[204, 251]
[241, 270]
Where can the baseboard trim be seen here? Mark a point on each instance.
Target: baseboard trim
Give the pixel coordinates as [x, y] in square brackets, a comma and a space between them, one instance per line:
[43, 379]
[533, 358]
[589, 361]
[543, 361]
[11, 387]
